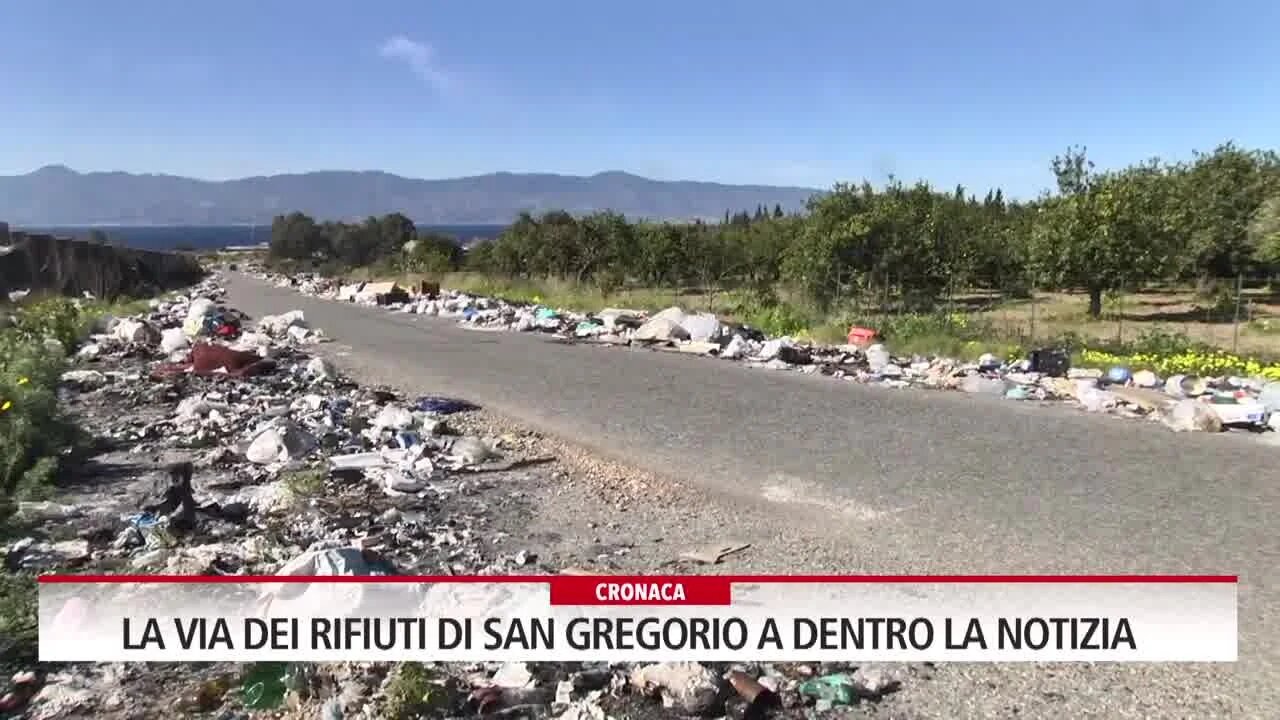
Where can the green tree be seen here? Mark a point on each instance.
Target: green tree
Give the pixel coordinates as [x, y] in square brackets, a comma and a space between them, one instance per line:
[386, 236]
[1264, 233]
[900, 243]
[295, 236]
[1104, 232]
[608, 246]
[660, 253]
[1222, 194]
[714, 258]
[831, 240]
[763, 244]
[433, 253]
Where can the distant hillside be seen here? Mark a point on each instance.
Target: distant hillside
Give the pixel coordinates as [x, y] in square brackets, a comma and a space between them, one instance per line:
[58, 195]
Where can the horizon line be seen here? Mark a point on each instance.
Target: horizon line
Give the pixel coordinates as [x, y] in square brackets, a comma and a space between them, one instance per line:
[67, 168]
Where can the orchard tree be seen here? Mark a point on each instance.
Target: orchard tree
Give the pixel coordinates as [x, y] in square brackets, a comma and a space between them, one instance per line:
[714, 257]
[1264, 234]
[661, 253]
[607, 247]
[1104, 231]
[831, 239]
[762, 246]
[1222, 194]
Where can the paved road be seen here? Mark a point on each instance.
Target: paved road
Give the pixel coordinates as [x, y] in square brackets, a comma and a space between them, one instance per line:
[918, 481]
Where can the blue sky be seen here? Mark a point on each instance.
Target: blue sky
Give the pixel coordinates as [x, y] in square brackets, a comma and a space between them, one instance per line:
[803, 92]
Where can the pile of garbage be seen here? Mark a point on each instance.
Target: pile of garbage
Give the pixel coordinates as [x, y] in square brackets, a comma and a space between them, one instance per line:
[1182, 403]
[228, 447]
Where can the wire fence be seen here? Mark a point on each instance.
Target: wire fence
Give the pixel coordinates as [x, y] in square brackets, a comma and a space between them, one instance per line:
[1228, 313]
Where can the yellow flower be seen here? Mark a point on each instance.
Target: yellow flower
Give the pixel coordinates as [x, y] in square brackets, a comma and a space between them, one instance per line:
[23, 381]
[7, 404]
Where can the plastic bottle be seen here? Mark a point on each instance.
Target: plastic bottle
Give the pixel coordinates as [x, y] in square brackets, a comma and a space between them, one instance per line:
[266, 684]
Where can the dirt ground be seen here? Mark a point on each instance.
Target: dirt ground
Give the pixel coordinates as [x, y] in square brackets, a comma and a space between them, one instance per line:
[561, 509]
[1130, 316]
[1051, 314]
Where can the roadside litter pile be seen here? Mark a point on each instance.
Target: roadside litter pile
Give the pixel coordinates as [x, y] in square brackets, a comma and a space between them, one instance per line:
[1182, 403]
[226, 447]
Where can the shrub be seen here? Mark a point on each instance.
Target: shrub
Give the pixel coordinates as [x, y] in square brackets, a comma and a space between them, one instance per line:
[33, 432]
[1189, 362]
[764, 311]
[56, 317]
[409, 691]
[920, 325]
[781, 319]
[18, 637]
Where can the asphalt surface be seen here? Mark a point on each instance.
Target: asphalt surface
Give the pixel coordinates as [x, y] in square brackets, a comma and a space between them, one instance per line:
[912, 481]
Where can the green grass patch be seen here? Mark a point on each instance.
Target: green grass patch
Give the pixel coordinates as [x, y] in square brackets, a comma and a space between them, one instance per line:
[956, 335]
[412, 691]
[303, 484]
[1264, 326]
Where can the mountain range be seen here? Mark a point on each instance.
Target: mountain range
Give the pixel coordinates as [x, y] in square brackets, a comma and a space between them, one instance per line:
[58, 195]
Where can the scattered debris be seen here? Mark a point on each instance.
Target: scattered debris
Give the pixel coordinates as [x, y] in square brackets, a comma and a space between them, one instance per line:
[689, 688]
[243, 453]
[712, 554]
[867, 683]
[84, 379]
[760, 699]
[864, 359]
[442, 405]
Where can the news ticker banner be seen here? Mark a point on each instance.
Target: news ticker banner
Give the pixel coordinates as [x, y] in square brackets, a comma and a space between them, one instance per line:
[636, 619]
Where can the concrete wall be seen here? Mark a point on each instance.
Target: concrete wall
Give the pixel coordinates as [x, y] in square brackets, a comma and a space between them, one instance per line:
[44, 263]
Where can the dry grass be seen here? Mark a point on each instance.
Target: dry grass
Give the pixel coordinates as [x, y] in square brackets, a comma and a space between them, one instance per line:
[1129, 316]
[1011, 322]
[564, 294]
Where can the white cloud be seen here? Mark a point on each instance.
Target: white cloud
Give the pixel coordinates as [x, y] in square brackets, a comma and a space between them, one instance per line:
[420, 58]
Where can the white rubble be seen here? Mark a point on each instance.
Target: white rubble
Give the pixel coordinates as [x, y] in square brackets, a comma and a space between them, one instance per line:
[280, 443]
[1191, 416]
[704, 334]
[278, 325]
[173, 339]
[84, 379]
[686, 687]
[136, 331]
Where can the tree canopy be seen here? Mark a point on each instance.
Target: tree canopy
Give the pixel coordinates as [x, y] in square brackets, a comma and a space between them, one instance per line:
[1215, 216]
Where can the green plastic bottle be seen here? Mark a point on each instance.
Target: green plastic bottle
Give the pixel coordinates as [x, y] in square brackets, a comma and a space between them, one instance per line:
[836, 689]
[266, 684]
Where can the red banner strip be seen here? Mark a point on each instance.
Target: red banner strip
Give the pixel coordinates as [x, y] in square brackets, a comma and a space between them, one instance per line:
[617, 590]
[574, 579]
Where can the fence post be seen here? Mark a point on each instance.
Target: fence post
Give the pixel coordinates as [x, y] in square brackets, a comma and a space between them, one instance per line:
[1235, 325]
[1032, 331]
[1119, 304]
